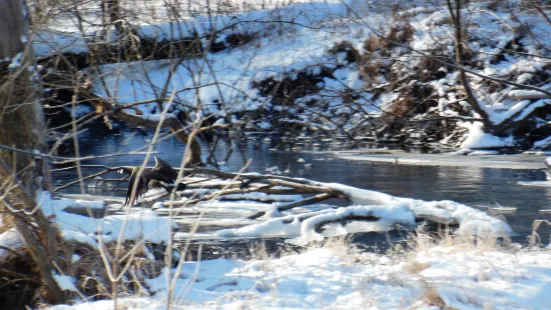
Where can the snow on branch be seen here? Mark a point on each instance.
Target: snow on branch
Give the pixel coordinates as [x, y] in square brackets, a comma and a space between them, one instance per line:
[156, 117]
[522, 94]
[369, 211]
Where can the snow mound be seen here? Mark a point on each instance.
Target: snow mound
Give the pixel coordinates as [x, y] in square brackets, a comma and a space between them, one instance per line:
[478, 139]
[470, 220]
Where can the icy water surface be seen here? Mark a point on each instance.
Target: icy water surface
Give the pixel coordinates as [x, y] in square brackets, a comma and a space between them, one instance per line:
[477, 187]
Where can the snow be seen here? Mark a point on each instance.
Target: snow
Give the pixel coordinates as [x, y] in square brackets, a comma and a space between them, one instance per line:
[542, 143]
[478, 139]
[483, 153]
[535, 183]
[89, 204]
[156, 117]
[387, 211]
[462, 277]
[143, 225]
[521, 94]
[388, 216]
[471, 221]
[15, 62]
[337, 277]
[80, 237]
[49, 42]
[303, 42]
[10, 239]
[263, 197]
[264, 125]
[302, 227]
[65, 283]
[269, 55]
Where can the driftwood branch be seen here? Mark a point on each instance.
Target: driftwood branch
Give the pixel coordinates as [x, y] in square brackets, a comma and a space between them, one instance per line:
[293, 188]
[300, 203]
[245, 176]
[214, 195]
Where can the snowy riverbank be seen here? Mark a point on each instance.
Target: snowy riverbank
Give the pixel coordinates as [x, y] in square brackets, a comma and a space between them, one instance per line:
[333, 276]
[339, 76]
[461, 276]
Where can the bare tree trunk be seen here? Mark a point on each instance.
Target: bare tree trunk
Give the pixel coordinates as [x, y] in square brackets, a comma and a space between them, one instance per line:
[22, 126]
[455, 12]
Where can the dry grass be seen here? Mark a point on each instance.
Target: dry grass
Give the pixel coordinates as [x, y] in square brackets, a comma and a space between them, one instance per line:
[432, 298]
[371, 64]
[415, 267]
[535, 238]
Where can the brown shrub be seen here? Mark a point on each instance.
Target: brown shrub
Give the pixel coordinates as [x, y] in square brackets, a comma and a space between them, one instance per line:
[352, 55]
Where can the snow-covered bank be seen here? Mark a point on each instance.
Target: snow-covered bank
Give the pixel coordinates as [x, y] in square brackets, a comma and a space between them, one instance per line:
[339, 76]
[333, 48]
[432, 277]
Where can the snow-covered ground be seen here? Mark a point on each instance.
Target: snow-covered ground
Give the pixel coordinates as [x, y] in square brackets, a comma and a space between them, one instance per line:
[461, 276]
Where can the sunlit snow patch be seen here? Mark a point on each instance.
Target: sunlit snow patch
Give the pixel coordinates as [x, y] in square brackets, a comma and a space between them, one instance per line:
[142, 225]
[462, 277]
[10, 239]
[479, 139]
[535, 183]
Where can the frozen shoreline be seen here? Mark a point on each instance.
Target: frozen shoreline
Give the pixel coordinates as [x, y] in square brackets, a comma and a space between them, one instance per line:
[517, 161]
